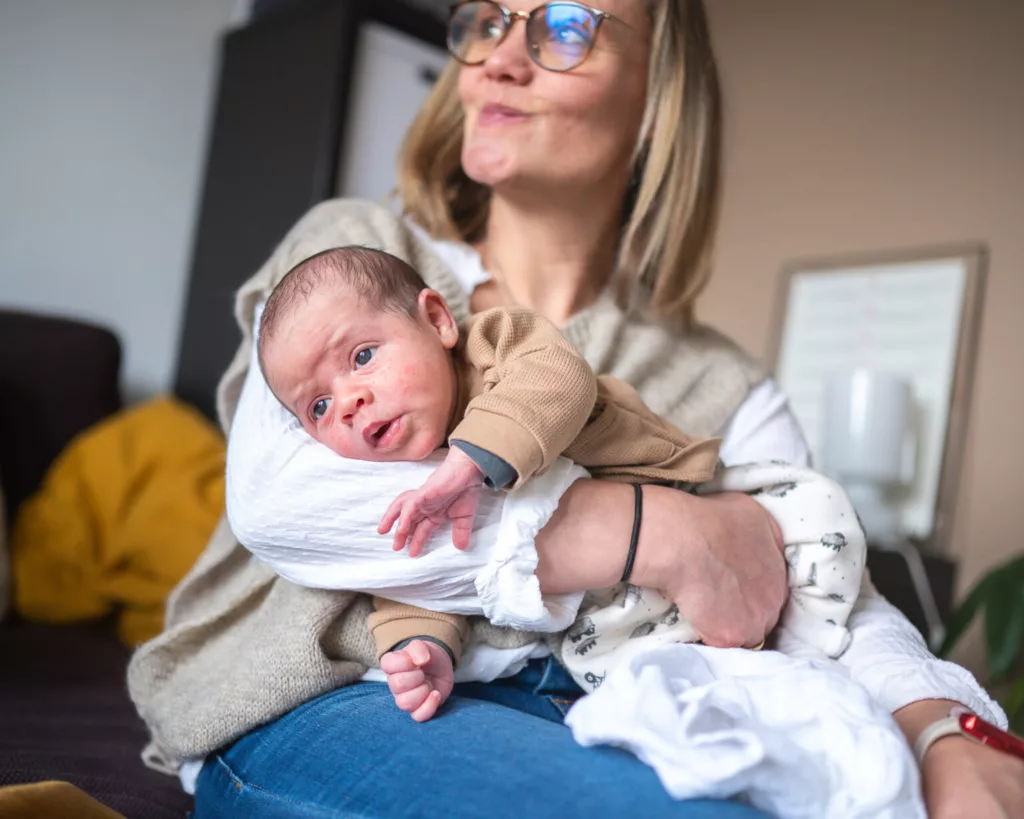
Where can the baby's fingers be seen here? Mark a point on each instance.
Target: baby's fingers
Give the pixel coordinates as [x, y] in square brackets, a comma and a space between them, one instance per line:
[394, 510]
[418, 653]
[428, 708]
[462, 530]
[406, 525]
[462, 513]
[424, 529]
[411, 701]
[395, 662]
[406, 681]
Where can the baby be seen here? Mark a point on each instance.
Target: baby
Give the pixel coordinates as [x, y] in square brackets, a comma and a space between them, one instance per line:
[373, 365]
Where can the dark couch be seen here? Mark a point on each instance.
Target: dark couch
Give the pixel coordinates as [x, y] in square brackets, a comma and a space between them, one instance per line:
[64, 708]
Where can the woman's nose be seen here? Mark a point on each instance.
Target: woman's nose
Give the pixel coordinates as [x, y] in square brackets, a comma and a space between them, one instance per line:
[510, 61]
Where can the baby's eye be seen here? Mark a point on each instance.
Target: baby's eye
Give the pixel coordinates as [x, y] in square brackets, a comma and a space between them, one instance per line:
[363, 356]
[319, 408]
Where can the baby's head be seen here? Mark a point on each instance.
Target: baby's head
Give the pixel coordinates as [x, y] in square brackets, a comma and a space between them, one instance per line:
[358, 348]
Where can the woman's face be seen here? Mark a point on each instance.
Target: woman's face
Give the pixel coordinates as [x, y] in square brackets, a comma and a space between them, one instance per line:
[529, 128]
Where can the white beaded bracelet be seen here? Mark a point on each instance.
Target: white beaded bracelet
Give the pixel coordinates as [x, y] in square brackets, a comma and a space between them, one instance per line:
[946, 727]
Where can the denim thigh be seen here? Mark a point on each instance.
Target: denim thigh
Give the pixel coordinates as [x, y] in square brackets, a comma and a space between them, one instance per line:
[352, 753]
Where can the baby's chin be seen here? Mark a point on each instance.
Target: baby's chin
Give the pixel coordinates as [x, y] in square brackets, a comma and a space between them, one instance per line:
[422, 447]
[418, 449]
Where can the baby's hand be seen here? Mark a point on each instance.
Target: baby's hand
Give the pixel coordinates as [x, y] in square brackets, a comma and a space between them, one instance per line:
[451, 493]
[420, 677]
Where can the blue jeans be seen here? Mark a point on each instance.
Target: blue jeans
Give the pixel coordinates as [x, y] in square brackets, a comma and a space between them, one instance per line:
[495, 750]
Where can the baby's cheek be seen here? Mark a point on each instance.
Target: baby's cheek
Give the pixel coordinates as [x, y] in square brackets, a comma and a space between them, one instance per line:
[338, 444]
[420, 388]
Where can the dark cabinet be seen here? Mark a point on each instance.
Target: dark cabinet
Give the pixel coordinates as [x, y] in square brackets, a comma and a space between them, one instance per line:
[276, 147]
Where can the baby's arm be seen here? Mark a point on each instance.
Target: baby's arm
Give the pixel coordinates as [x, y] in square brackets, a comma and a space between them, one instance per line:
[623, 440]
[538, 391]
[418, 650]
[537, 394]
[825, 547]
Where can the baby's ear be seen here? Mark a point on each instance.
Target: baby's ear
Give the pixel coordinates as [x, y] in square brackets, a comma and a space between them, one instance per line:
[433, 309]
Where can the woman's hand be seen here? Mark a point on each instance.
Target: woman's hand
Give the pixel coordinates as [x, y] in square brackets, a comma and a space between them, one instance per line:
[719, 558]
[963, 779]
[960, 778]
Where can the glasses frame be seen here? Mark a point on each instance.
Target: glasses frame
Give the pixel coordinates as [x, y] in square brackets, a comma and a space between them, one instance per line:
[509, 18]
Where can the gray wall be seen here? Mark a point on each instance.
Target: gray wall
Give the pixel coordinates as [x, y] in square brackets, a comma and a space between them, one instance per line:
[103, 118]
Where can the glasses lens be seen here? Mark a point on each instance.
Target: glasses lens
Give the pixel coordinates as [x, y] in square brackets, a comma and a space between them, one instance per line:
[561, 35]
[474, 31]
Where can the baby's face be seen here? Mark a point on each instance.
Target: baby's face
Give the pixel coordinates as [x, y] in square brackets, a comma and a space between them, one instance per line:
[369, 384]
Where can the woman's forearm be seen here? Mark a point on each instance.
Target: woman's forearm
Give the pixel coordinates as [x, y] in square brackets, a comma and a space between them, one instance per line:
[585, 543]
[719, 558]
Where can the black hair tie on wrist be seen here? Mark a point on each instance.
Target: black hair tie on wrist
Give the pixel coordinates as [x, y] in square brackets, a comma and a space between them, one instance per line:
[638, 511]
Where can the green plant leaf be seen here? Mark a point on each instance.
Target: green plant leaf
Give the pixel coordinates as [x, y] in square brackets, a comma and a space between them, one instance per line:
[963, 616]
[1015, 706]
[1004, 622]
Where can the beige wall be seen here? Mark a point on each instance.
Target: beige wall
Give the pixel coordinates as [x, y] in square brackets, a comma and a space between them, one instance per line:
[884, 124]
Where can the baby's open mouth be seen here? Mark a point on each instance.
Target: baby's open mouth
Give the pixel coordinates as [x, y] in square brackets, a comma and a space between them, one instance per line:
[374, 433]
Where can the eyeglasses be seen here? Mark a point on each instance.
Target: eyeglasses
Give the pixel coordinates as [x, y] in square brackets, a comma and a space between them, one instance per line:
[560, 35]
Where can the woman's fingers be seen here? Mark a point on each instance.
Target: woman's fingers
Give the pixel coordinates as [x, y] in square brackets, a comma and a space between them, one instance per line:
[741, 585]
[718, 557]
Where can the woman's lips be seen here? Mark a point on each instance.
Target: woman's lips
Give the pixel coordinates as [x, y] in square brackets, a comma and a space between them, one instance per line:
[493, 114]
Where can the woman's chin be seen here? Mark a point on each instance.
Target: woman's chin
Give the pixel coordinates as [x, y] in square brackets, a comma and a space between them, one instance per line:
[489, 165]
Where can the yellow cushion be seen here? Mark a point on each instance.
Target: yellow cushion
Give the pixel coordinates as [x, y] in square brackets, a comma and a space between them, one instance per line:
[121, 516]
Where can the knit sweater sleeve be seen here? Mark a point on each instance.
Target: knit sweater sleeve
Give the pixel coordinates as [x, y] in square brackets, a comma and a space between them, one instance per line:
[391, 623]
[538, 391]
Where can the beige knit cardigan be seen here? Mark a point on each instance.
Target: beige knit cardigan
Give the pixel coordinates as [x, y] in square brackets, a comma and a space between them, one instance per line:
[242, 646]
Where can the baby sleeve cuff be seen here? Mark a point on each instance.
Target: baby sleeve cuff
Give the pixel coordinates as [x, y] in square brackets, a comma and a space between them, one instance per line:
[498, 473]
[504, 438]
[396, 623]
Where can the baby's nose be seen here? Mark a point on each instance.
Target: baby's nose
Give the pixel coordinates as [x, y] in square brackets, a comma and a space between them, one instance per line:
[354, 402]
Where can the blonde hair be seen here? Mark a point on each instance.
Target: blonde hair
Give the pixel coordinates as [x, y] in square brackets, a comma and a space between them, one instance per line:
[670, 215]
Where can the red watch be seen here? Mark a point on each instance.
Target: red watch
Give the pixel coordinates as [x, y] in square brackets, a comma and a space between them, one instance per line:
[962, 722]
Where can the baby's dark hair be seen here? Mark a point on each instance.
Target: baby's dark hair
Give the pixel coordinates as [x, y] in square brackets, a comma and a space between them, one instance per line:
[383, 281]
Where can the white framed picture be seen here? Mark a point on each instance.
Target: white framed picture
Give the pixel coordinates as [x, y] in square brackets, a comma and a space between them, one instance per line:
[914, 315]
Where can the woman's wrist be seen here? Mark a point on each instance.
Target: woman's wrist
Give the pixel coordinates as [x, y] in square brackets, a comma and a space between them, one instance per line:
[584, 545]
[662, 536]
[914, 718]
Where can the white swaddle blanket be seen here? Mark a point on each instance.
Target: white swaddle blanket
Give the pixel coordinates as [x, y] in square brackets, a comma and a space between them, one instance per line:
[797, 737]
[270, 456]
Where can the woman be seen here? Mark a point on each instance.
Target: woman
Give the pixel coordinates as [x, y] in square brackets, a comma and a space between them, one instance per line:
[571, 156]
